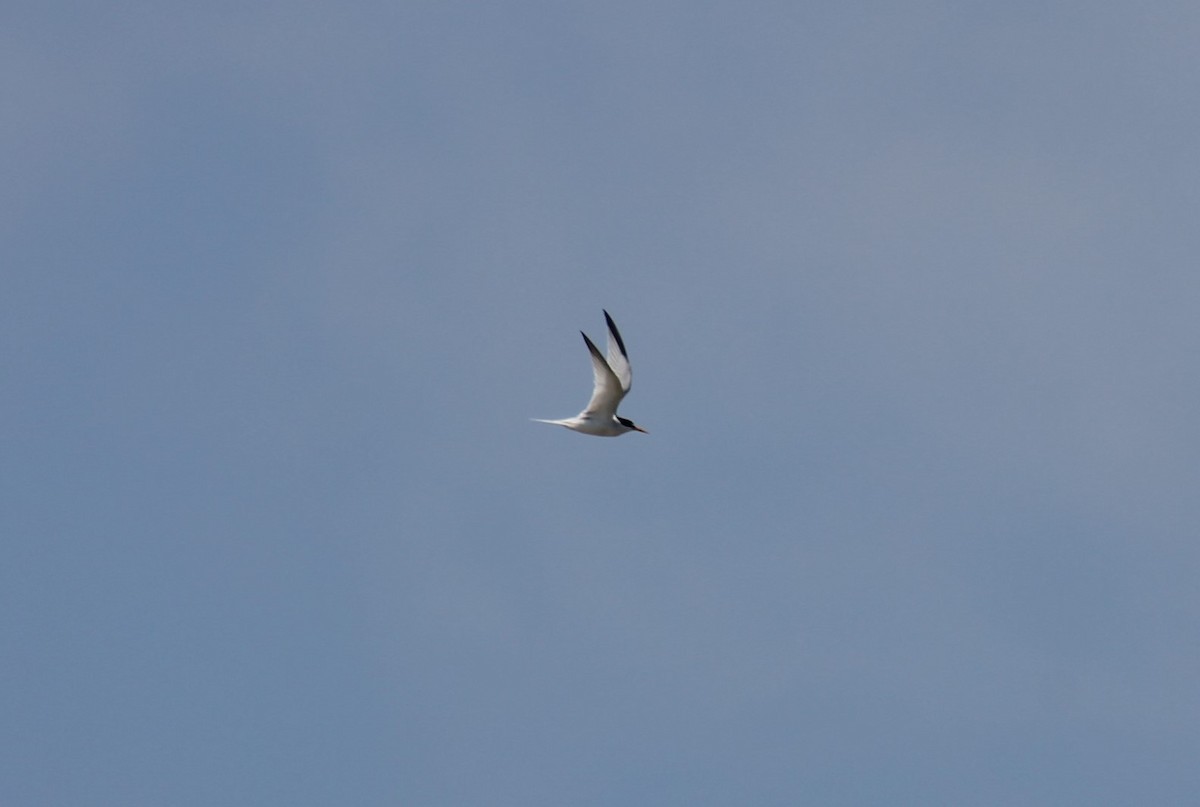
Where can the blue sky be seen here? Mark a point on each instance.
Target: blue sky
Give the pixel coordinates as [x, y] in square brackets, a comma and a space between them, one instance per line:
[911, 299]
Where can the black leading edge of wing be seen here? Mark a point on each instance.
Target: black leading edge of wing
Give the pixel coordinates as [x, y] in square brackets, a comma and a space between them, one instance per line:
[612, 328]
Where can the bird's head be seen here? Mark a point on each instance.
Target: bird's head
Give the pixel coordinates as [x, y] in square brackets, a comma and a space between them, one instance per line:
[629, 424]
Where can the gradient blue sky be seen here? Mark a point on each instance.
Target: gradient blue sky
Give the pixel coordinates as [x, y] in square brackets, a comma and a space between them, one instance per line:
[911, 295]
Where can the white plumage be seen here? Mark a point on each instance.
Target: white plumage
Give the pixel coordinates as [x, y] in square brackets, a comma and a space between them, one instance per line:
[612, 381]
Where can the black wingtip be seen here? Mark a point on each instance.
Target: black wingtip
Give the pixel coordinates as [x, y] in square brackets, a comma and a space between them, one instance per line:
[591, 346]
[612, 328]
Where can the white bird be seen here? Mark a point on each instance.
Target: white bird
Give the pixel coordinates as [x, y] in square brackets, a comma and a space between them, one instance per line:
[613, 378]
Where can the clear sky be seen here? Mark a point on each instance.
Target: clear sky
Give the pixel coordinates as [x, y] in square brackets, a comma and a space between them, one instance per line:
[913, 305]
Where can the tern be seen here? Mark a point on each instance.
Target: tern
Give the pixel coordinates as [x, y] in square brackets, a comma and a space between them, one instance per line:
[613, 378]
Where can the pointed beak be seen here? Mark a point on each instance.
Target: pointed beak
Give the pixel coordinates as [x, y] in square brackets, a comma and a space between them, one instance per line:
[640, 429]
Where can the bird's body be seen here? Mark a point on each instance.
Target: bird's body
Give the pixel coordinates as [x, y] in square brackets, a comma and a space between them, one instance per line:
[587, 424]
[612, 381]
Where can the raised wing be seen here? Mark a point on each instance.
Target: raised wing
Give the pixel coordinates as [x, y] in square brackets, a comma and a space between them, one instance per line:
[618, 359]
[608, 392]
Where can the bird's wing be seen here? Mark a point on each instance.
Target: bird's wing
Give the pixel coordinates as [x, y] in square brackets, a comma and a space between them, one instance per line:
[608, 392]
[618, 359]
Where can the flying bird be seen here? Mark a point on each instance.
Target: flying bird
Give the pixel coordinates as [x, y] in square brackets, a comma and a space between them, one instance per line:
[613, 378]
